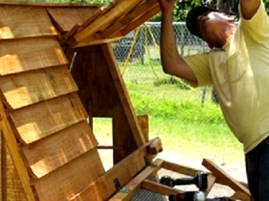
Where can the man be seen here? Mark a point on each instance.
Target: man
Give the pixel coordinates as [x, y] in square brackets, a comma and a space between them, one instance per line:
[238, 67]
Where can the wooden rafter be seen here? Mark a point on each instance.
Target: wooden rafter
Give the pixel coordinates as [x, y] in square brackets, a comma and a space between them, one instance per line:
[114, 23]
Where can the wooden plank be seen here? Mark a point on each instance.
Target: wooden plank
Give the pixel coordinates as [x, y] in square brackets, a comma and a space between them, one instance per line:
[2, 168]
[15, 152]
[48, 4]
[30, 54]
[66, 18]
[129, 17]
[135, 184]
[226, 179]
[105, 20]
[58, 149]
[180, 168]
[123, 95]
[21, 22]
[138, 21]
[159, 188]
[43, 119]
[143, 121]
[71, 178]
[13, 186]
[24, 89]
[104, 187]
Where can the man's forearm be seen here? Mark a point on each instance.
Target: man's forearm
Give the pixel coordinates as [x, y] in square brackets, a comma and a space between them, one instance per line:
[169, 52]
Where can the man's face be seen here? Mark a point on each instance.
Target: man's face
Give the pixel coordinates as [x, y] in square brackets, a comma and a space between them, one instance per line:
[210, 25]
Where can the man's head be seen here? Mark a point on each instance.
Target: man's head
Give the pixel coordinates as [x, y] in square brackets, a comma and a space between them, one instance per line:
[209, 24]
[192, 19]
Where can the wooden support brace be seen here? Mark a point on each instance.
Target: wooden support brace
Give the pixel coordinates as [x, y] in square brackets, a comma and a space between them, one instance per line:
[134, 185]
[123, 172]
[227, 180]
[159, 188]
[15, 153]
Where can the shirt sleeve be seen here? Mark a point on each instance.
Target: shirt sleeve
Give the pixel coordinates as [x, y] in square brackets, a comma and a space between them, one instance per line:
[199, 64]
[258, 26]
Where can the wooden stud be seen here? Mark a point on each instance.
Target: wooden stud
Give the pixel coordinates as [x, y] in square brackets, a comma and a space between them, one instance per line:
[159, 188]
[12, 145]
[123, 95]
[135, 184]
[103, 188]
[224, 177]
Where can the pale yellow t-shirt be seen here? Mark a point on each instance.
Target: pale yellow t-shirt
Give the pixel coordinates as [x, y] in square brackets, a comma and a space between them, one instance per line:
[240, 75]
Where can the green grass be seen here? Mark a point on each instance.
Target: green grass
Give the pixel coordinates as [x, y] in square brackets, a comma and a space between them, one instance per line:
[176, 114]
[185, 126]
[188, 129]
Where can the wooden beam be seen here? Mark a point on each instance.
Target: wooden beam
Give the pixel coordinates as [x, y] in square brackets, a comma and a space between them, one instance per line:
[159, 188]
[135, 184]
[136, 23]
[43, 4]
[129, 18]
[224, 177]
[101, 23]
[124, 171]
[180, 168]
[13, 147]
[123, 95]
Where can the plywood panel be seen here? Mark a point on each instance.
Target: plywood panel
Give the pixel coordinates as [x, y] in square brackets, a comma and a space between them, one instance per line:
[66, 18]
[71, 178]
[50, 153]
[24, 89]
[24, 21]
[30, 54]
[45, 118]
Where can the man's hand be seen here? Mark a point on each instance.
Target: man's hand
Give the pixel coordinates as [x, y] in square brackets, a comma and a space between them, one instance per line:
[167, 5]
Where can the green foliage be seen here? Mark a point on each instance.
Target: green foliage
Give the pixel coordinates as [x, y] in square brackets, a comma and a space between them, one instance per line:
[182, 8]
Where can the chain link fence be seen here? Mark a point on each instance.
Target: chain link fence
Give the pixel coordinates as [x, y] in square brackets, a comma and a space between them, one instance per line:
[139, 58]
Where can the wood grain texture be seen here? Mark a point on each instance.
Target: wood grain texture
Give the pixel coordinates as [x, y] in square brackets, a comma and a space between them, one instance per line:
[71, 178]
[24, 21]
[66, 18]
[60, 148]
[105, 20]
[15, 153]
[30, 54]
[13, 187]
[20, 90]
[103, 188]
[136, 183]
[43, 119]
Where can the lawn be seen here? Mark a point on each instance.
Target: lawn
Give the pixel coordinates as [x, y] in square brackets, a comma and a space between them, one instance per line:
[189, 130]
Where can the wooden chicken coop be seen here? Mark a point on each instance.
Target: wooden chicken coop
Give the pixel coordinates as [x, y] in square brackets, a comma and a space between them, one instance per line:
[57, 73]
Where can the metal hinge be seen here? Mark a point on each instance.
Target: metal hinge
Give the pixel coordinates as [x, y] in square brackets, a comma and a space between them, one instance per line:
[119, 187]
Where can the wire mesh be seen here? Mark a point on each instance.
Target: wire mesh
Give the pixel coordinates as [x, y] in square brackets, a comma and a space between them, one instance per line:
[138, 55]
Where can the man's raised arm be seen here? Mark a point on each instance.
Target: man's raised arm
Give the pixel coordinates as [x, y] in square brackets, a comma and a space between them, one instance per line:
[172, 62]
